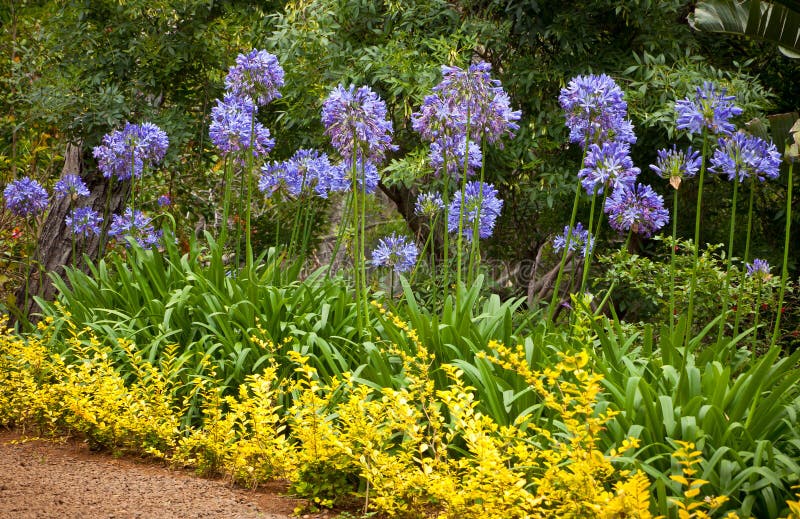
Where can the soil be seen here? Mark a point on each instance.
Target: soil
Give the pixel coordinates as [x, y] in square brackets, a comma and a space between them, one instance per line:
[43, 479]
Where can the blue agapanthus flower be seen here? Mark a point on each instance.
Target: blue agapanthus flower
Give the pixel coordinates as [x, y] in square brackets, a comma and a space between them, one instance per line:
[636, 208]
[742, 156]
[25, 197]
[164, 201]
[675, 165]
[357, 124]
[438, 118]
[578, 239]
[451, 150]
[232, 126]
[596, 111]
[84, 221]
[71, 186]
[257, 76]
[758, 268]
[608, 165]
[710, 109]
[307, 169]
[365, 172]
[479, 202]
[136, 226]
[128, 151]
[428, 205]
[395, 252]
[479, 101]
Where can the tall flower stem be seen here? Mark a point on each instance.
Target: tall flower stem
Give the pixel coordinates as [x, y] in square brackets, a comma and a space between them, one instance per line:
[226, 203]
[362, 246]
[446, 245]
[554, 298]
[757, 310]
[249, 197]
[356, 242]
[425, 249]
[728, 259]
[460, 239]
[475, 252]
[589, 241]
[784, 267]
[340, 234]
[746, 253]
[672, 247]
[693, 284]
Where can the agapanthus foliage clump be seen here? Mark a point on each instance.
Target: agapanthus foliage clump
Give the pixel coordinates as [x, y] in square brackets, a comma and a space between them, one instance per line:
[579, 239]
[711, 109]
[395, 252]
[428, 205]
[759, 269]
[70, 186]
[84, 221]
[636, 208]
[25, 197]
[307, 170]
[675, 165]
[356, 121]
[742, 156]
[128, 151]
[596, 111]
[233, 128]
[256, 76]
[134, 225]
[479, 203]
[608, 165]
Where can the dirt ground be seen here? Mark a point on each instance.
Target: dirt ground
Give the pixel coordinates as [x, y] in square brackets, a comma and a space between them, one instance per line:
[41, 479]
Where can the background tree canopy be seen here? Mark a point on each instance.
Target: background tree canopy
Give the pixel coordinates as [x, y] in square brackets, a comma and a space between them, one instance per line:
[82, 68]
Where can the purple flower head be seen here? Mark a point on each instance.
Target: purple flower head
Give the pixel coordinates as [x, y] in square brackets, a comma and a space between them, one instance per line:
[164, 201]
[84, 221]
[257, 76]
[357, 124]
[25, 197]
[71, 186]
[608, 165]
[675, 165]
[451, 150]
[136, 226]
[578, 239]
[479, 102]
[479, 203]
[428, 205]
[596, 111]
[395, 252]
[306, 169]
[438, 118]
[709, 109]
[128, 151]
[759, 269]
[231, 125]
[343, 179]
[742, 156]
[637, 208]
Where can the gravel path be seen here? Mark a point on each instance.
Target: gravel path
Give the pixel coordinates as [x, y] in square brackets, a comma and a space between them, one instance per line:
[47, 480]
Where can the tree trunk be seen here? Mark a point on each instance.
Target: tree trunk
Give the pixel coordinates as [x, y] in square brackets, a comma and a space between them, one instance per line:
[54, 246]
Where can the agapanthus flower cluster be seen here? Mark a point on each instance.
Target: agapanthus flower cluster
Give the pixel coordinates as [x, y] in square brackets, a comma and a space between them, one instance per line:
[366, 173]
[675, 165]
[357, 124]
[256, 76]
[232, 127]
[438, 117]
[742, 156]
[25, 197]
[480, 102]
[710, 109]
[428, 205]
[84, 221]
[759, 268]
[70, 186]
[636, 208]
[450, 150]
[306, 170]
[164, 201]
[479, 203]
[128, 151]
[596, 111]
[395, 252]
[134, 225]
[608, 164]
[578, 239]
